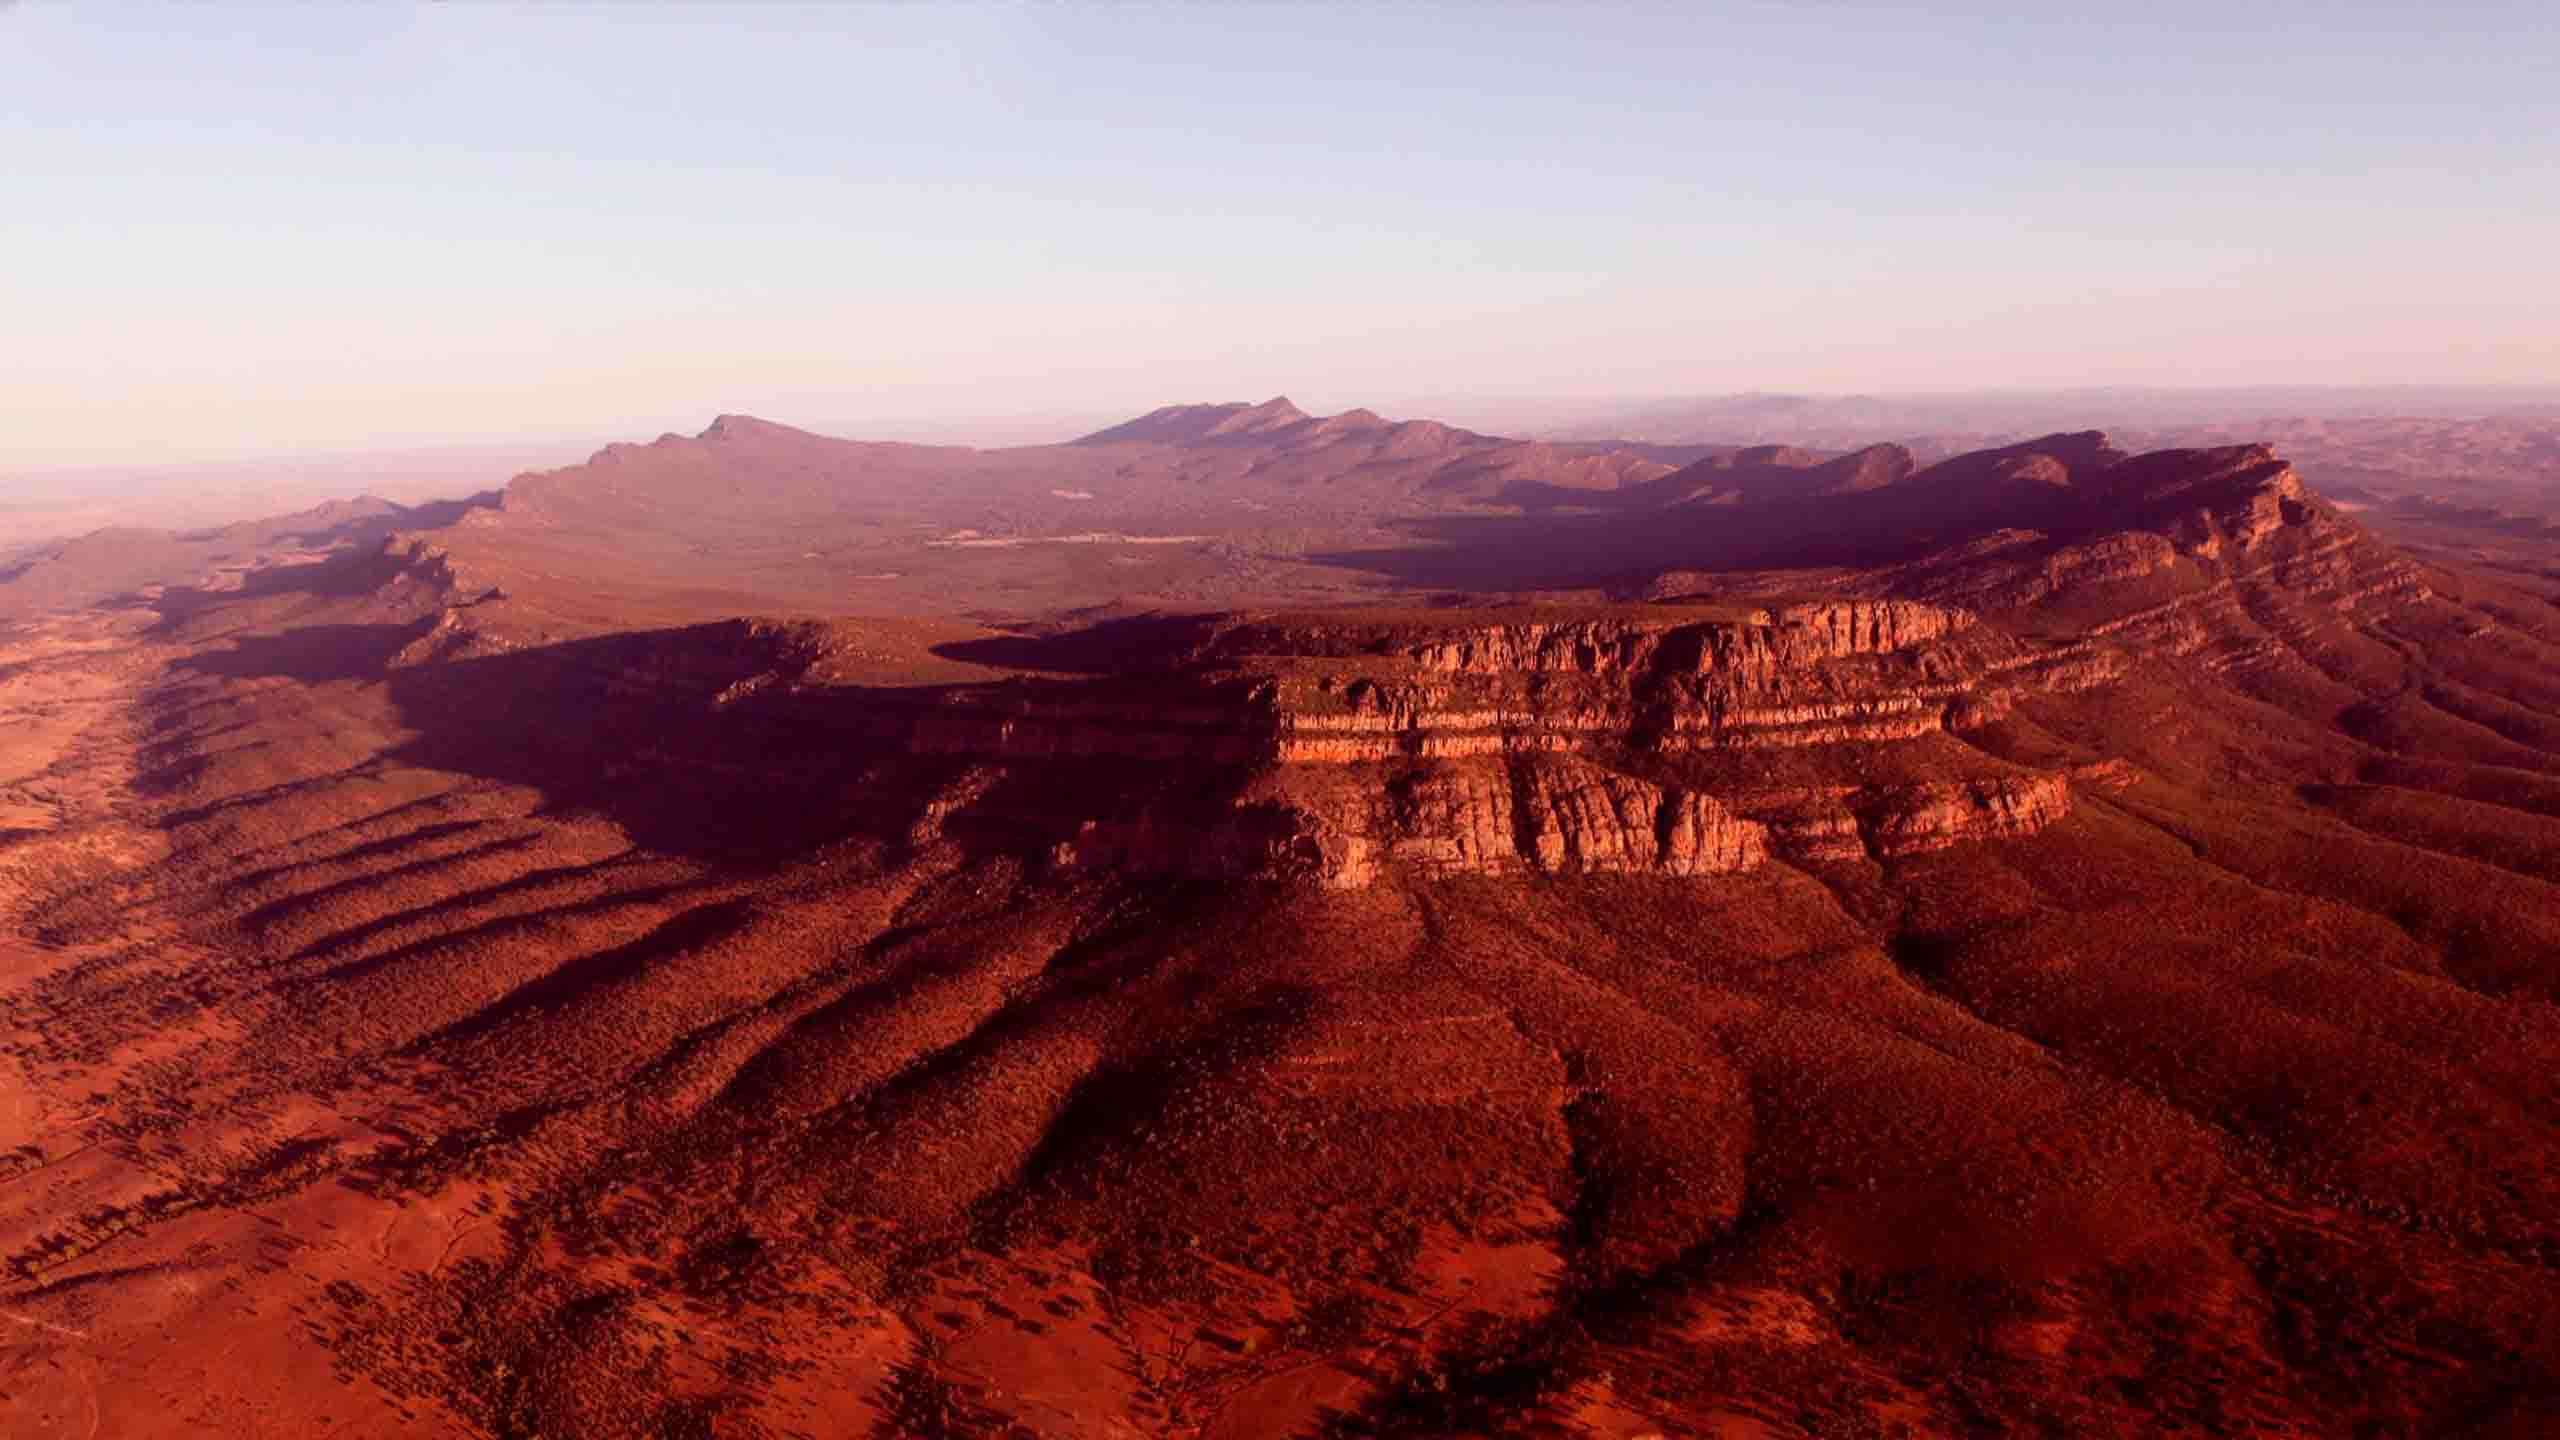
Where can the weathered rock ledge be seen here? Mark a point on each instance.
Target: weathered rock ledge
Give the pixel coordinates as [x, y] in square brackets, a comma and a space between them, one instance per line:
[1338, 748]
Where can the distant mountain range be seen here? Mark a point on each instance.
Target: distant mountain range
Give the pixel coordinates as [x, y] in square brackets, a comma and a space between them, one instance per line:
[2501, 444]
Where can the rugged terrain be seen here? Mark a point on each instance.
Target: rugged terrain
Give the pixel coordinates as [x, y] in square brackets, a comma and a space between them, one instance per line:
[2047, 941]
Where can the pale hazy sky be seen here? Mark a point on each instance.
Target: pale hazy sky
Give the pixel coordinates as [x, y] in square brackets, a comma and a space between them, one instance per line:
[228, 230]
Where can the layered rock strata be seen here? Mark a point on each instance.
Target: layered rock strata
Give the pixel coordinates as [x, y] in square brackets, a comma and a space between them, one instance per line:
[1341, 692]
[1554, 815]
[1336, 748]
[1889, 822]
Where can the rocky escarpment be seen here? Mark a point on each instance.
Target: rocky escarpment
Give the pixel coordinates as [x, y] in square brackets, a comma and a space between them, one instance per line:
[1619, 739]
[1344, 746]
[1810, 673]
[1545, 814]
[1856, 823]
[1340, 750]
[2172, 522]
[1576, 741]
[1807, 715]
[1534, 814]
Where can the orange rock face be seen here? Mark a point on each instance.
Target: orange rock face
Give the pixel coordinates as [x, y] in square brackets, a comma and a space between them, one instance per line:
[1345, 747]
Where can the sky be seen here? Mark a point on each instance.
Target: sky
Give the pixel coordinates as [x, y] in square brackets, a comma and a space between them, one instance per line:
[228, 230]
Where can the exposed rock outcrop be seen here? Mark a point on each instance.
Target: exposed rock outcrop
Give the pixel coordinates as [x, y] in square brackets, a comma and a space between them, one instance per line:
[1343, 746]
[1805, 715]
[1549, 815]
[1935, 816]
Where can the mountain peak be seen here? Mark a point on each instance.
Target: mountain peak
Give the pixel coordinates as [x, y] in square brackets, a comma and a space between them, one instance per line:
[1275, 413]
[1350, 422]
[733, 427]
[1192, 424]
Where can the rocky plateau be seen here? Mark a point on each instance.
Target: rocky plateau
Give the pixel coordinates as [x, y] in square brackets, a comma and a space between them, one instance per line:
[1334, 928]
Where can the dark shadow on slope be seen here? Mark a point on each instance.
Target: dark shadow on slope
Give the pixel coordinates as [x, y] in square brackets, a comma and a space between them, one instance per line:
[701, 741]
[120, 566]
[696, 929]
[632, 727]
[349, 574]
[1861, 510]
[312, 654]
[437, 514]
[1560, 550]
[1138, 643]
[363, 523]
